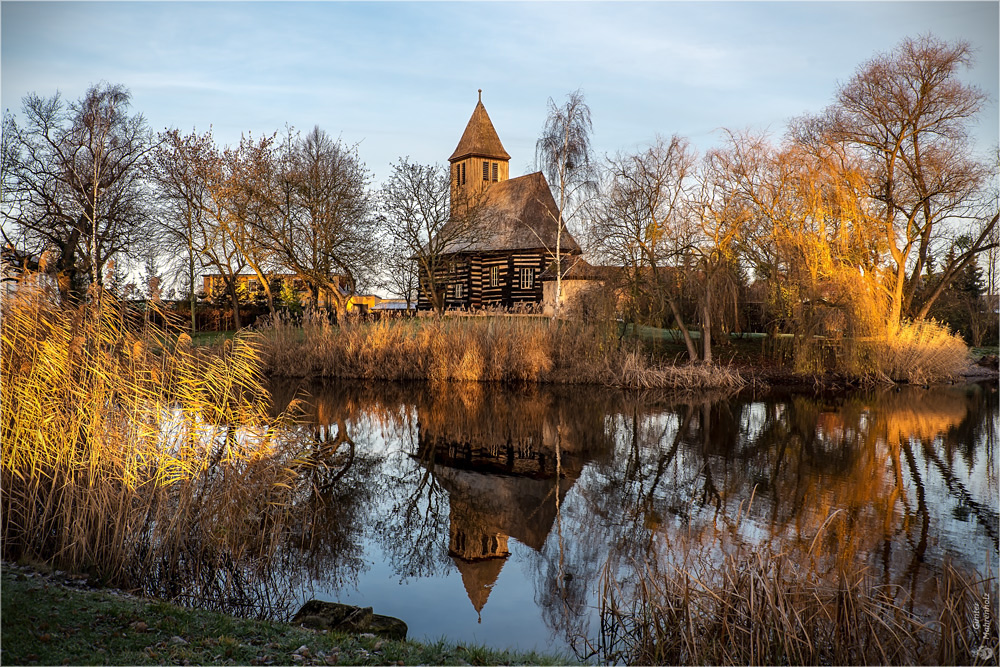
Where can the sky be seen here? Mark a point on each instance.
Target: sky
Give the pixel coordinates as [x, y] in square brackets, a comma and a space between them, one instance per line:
[401, 78]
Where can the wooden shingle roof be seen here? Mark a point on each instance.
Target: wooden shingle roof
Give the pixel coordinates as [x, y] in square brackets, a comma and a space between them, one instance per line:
[480, 138]
[517, 214]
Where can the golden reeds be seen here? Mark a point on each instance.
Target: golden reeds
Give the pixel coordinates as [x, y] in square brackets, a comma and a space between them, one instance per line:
[920, 352]
[130, 454]
[758, 608]
[497, 348]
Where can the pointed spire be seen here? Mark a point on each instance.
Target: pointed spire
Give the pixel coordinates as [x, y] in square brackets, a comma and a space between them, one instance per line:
[480, 137]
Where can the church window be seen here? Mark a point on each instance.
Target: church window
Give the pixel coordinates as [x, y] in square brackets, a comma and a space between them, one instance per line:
[527, 278]
[486, 171]
[494, 276]
[496, 171]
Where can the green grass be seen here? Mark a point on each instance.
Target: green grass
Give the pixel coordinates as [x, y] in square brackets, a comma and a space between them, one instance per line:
[212, 337]
[977, 353]
[46, 622]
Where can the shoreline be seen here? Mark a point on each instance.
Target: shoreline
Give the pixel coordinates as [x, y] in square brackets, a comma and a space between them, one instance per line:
[56, 617]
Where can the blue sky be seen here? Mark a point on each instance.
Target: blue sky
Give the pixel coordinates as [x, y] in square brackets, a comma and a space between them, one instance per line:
[401, 77]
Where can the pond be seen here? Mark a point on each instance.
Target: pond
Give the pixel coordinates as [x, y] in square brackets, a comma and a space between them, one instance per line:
[494, 515]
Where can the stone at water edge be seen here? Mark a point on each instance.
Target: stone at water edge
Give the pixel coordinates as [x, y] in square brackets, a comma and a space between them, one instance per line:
[989, 361]
[322, 615]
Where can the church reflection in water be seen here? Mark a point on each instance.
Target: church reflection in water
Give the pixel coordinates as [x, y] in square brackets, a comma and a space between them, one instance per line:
[506, 467]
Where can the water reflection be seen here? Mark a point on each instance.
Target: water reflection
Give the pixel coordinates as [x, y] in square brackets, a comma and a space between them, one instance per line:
[525, 496]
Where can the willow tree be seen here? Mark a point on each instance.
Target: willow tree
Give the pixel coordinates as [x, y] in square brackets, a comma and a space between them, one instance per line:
[563, 153]
[907, 113]
[802, 221]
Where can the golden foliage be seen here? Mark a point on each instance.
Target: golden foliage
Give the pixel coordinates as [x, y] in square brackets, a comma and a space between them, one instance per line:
[126, 451]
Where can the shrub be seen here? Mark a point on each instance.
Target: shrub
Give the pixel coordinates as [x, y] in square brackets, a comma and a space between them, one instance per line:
[919, 352]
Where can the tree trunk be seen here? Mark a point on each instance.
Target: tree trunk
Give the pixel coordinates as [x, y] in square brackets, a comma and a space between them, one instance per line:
[706, 330]
[231, 288]
[692, 351]
[191, 298]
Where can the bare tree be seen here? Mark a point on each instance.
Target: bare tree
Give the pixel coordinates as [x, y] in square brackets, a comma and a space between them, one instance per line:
[400, 274]
[323, 227]
[73, 181]
[563, 153]
[250, 171]
[415, 210]
[638, 224]
[182, 196]
[907, 112]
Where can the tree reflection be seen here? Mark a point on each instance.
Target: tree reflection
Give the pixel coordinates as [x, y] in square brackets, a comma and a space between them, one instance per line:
[447, 479]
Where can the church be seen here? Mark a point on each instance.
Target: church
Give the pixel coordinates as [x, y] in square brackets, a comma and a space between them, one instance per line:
[500, 264]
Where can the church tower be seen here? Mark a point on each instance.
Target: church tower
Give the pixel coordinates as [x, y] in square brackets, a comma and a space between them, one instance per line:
[479, 160]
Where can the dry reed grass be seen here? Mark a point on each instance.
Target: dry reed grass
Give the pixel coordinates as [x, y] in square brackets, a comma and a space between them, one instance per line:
[497, 348]
[131, 455]
[919, 352]
[759, 608]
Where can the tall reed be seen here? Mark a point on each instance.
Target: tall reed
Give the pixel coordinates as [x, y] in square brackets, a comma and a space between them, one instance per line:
[756, 607]
[494, 348]
[919, 352]
[129, 454]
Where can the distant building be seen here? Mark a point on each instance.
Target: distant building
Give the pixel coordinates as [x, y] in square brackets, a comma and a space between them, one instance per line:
[213, 283]
[24, 273]
[500, 263]
[580, 283]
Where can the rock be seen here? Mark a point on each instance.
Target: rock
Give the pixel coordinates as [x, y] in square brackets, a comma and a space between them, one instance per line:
[322, 615]
[989, 361]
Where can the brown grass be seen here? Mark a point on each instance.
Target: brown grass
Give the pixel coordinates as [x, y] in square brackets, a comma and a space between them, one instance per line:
[130, 454]
[920, 352]
[762, 608]
[498, 348]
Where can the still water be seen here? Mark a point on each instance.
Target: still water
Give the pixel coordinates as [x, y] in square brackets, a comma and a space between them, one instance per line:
[490, 515]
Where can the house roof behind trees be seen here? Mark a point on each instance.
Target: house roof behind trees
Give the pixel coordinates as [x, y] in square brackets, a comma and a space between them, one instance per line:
[578, 268]
[517, 214]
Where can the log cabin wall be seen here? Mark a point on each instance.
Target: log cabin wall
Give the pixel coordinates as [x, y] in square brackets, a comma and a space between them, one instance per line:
[493, 280]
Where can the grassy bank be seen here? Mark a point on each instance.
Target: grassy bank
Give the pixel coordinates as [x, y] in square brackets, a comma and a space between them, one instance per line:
[46, 622]
[481, 349]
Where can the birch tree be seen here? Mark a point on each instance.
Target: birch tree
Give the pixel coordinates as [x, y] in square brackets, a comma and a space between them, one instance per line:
[563, 153]
[73, 182]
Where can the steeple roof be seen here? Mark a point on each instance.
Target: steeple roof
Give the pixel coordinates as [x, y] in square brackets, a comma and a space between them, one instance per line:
[480, 137]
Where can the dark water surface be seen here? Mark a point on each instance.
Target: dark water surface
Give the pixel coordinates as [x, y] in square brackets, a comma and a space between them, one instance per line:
[489, 514]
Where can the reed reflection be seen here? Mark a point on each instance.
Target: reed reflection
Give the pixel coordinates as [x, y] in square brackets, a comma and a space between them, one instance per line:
[874, 481]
